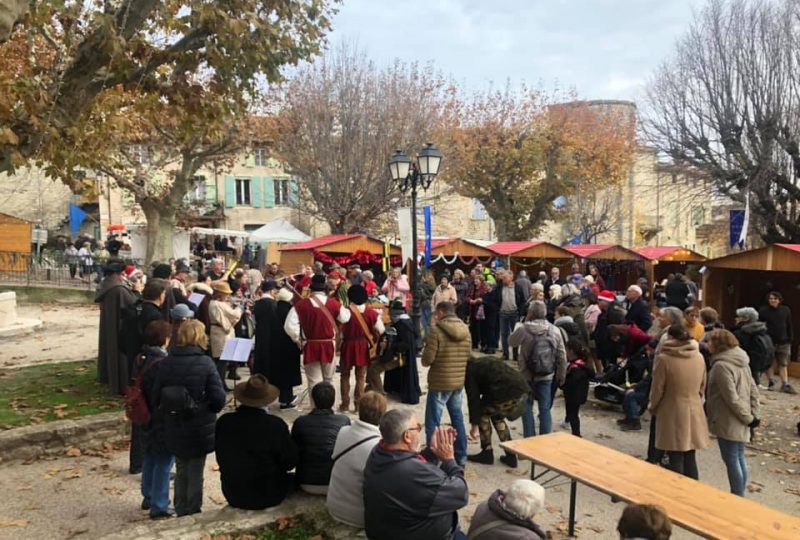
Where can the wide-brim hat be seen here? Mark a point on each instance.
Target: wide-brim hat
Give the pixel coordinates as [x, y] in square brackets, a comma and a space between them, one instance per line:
[221, 286]
[256, 391]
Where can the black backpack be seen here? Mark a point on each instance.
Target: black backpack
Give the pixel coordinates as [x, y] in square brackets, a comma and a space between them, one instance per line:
[542, 358]
[176, 402]
[761, 350]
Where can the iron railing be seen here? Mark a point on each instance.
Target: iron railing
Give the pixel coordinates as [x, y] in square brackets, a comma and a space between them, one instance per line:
[51, 268]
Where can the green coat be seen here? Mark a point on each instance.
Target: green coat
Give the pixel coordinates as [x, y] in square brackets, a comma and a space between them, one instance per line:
[491, 381]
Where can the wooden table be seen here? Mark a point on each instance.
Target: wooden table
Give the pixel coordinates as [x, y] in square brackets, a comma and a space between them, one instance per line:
[695, 506]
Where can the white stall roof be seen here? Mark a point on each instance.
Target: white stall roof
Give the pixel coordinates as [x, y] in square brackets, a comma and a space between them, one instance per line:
[279, 230]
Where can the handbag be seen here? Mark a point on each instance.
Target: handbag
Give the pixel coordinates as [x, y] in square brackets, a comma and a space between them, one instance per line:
[480, 313]
[136, 408]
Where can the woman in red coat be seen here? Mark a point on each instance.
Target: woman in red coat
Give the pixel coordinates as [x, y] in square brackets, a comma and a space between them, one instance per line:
[358, 336]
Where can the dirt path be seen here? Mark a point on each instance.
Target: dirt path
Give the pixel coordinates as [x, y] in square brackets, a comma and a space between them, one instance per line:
[68, 332]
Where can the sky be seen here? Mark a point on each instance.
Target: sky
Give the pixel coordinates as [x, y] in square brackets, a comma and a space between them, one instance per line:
[602, 49]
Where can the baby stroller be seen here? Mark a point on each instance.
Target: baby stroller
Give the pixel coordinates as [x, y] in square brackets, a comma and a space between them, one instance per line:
[620, 376]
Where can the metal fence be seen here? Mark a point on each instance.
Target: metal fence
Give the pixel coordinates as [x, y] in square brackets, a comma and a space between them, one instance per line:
[51, 268]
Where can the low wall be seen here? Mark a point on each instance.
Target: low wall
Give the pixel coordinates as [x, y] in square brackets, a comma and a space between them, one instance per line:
[53, 438]
[49, 295]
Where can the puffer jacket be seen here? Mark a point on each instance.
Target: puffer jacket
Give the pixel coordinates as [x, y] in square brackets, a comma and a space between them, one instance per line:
[732, 396]
[192, 436]
[490, 382]
[409, 498]
[447, 350]
[525, 335]
[512, 528]
[315, 436]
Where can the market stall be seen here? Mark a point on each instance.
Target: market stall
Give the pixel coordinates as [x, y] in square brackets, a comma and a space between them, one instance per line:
[275, 234]
[454, 253]
[618, 265]
[343, 249]
[746, 279]
[533, 256]
[661, 261]
[15, 243]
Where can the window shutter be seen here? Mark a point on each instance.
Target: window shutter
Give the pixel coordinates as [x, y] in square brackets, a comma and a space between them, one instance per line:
[269, 192]
[294, 190]
[230, 192]
[255, 192]
[211, 190]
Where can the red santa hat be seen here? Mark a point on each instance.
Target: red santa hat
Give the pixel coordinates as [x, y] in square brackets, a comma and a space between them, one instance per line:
[607, 296]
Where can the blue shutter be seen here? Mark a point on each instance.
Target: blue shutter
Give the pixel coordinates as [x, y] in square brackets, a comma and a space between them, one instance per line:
[269, 192]
[294, 190]
[230, 192]
[255, 191]
[211, 190]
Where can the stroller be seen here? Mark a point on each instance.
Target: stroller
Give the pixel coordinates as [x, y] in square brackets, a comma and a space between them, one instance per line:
[620, 376]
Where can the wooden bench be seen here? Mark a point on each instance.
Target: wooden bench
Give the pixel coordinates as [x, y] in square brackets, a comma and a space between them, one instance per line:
[697, 507]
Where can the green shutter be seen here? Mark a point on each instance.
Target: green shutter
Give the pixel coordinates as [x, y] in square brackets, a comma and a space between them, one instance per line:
[230, 191]
[255, 191]
[211, 190]
[294, 190]
[269, 192]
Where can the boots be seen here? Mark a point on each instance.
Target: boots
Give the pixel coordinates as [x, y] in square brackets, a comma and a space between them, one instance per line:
[631, 425]
[509, 460]
[486, 457]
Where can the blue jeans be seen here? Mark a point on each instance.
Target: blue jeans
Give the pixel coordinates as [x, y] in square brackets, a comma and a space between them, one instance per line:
[425, 319]
[632, 404]
[733, 455]
[541, 393]
[155, 481]
[437, 401]
[507, 322]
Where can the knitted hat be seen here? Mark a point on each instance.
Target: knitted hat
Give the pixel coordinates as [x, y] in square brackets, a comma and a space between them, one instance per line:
[318, 283]
[606, 296]
[357, 295]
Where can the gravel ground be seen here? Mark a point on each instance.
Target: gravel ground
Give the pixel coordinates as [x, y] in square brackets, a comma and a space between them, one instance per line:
[92, 495]
[68, 332]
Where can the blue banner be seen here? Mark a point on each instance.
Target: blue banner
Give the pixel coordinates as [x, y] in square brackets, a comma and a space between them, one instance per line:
[76, 217]
[426, 211]
[736, 225]
[575, 240]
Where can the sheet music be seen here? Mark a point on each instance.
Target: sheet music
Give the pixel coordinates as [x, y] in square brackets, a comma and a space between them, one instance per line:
[196, 297]
[237, 350]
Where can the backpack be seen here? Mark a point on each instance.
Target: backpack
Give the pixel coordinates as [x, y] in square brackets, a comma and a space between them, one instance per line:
[761, 350]
[542, 358]
[136, 408]
[177, 402]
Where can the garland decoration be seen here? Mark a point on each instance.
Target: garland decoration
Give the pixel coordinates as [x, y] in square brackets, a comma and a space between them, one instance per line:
[364, 258]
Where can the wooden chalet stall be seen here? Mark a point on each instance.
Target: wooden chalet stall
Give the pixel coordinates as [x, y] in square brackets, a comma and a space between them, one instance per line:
[746, 278]
[533, 257]
[661, 261]
[341, 248]
[453, 253]
[619, 266]
[15, 243]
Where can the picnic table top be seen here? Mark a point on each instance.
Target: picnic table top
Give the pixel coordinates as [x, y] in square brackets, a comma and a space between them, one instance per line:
[695, 506]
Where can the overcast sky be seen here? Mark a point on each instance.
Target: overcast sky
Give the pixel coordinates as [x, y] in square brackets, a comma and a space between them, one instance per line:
[604, 49]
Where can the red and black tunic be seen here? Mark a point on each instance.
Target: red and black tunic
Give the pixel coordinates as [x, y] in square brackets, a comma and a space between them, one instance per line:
[317, 330]
[355, 346]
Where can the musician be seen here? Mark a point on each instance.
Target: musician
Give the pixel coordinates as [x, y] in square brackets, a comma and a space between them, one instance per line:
[223, 315]
[302, 279]
[338, 285]
[311, 324]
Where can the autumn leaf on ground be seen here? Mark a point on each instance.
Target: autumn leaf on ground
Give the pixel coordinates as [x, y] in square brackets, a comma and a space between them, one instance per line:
[13, 522]
[216, 499]
[286, 522]
[73, 452]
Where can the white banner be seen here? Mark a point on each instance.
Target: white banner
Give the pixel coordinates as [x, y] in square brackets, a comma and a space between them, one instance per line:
[406, 240]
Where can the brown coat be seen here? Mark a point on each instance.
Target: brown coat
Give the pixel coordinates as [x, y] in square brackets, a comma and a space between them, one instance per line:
[676, 397]
[732, 396]
[447, 350]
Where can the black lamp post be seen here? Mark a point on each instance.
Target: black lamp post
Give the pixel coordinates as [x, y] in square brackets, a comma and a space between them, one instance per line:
[411, 175]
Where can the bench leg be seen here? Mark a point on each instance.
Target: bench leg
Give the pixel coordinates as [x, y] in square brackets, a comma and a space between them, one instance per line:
[573, 492]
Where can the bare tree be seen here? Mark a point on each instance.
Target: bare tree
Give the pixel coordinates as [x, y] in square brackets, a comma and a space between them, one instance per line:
[592, 214]
[726, 106]
[340, 121]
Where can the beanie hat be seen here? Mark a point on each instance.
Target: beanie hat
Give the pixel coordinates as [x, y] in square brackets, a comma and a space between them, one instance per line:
[318, 283]
[357, 295]
[607, 296]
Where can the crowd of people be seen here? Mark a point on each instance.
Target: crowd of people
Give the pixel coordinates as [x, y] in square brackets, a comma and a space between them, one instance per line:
[163, 334]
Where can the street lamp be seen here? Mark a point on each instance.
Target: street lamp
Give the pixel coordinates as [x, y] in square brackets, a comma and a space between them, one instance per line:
[410, 175]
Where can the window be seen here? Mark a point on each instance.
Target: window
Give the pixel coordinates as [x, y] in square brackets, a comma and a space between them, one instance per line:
[281, 189]
[243, 191]
[199, 192]
[698, 216]
[478, 211]
[140, 154]
[260, 156]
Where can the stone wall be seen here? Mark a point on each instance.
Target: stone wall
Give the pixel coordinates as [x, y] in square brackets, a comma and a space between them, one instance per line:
[54, 438]
[33, 294]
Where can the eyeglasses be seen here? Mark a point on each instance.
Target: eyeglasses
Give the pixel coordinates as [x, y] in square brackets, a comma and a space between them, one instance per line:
[418, 428]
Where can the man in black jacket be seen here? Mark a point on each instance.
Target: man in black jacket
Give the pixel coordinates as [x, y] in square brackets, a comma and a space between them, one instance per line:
[638, 310]
[778, 318]
[254, 449]
[610, 313]
[495, 391]
[315, 436]
[412, 496]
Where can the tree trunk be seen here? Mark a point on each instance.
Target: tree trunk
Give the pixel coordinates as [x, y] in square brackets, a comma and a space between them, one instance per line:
[160, 231]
